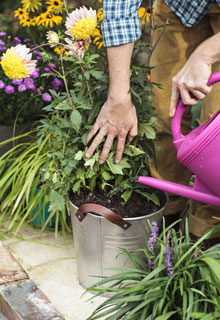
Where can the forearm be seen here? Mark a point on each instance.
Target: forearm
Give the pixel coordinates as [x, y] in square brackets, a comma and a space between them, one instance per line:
[209, 50]
[119, 61]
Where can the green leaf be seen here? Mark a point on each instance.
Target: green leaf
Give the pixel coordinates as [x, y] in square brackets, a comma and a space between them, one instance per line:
[166, 316]
[57, 202]
[89, 162]
[76, 119]
[126, 195]
[63, 106]
[76, 186]
[79, 155]
[147, 130]
[106, 176]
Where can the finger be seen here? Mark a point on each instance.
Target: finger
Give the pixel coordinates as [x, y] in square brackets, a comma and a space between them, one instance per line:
[120, 148]
[92, 132]
[106, 148]
[187, 99]
[96, 142]
[197, 94]
[133, 132]
[175, 94]
[204, 89]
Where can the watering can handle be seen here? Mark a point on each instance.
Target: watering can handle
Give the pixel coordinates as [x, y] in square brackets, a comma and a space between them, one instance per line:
[178, 137]
[102, 211]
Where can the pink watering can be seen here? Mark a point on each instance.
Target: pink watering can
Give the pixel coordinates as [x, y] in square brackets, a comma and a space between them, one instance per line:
[199, 151]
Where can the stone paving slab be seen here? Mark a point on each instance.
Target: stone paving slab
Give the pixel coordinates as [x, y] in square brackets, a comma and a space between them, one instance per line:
[20, 298]
[10, 270]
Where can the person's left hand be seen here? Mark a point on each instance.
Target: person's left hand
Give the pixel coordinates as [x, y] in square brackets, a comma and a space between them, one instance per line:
[115, 120]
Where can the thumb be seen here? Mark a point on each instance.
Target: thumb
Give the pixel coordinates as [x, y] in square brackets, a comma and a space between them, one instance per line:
[174, 100]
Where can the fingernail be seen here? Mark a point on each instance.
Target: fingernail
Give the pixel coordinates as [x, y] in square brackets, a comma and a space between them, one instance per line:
[87, 155]
[117, 160]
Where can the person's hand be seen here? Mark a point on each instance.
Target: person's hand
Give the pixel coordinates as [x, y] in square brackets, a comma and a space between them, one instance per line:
[190, 83]
[115, 120]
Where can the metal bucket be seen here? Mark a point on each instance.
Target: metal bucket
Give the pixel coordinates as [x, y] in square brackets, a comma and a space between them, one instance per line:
[98, 242]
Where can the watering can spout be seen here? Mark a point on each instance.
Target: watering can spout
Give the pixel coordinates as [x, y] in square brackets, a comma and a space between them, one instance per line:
[198, 192]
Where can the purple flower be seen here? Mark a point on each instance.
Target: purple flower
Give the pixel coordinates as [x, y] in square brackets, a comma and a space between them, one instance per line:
[56, 84]
[2, 84]
[47, 70]
[2, 34]
[38, 90]
[9, 89]
[151, 243]
[29, 82]
[34, 74]
[27, 40]
[37, 52]
[168, 257]
[22, 87]
[46, 97]
[2, 49]
[39, 58]
[17, 40]
[15, 81]
[52, 65]
[2, 43]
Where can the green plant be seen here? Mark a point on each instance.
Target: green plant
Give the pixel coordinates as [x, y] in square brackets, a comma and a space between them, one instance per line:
[178, 281]
[71, 115]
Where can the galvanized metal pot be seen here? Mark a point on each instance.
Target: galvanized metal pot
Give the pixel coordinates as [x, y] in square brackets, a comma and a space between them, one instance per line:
[100, 239]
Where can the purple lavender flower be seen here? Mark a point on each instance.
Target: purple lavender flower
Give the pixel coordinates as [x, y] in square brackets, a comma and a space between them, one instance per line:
[39, 58]
[22, 87]
[15, 81]
[27, 40]
[56, 84]
[2, 43]
[46, 97]
[151, 243]
[37, 52]
[29, 83]
[9, 89]
[168, 257]
[2, 84]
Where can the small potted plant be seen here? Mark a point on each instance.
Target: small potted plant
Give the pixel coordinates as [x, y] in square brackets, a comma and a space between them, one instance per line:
[179, 280]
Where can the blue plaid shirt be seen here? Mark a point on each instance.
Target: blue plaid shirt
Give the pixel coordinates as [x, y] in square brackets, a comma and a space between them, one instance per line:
[121, 23]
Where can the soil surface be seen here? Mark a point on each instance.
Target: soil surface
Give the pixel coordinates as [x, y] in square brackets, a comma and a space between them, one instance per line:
[137, 206]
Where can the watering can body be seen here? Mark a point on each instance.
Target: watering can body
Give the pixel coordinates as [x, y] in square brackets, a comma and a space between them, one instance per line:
[199, 151]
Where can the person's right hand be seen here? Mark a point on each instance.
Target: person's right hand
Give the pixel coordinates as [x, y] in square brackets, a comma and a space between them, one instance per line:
[190, 83]
[117, 119]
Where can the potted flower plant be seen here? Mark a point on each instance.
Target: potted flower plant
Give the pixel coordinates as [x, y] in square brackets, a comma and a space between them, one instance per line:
[62, 170]
[179, 280]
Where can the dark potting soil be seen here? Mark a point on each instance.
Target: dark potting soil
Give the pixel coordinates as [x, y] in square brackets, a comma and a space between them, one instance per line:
[136, 206]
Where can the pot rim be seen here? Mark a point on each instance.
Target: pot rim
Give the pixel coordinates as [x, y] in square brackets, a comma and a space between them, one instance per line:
[128, 219]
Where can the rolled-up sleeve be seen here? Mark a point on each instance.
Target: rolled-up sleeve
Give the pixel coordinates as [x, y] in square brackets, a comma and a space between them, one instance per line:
[121, 23]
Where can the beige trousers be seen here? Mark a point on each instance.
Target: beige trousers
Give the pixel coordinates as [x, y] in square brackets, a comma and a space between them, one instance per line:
[172, 51]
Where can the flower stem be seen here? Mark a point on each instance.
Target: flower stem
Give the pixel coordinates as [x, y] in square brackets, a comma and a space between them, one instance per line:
[64, 79]
[87, 84]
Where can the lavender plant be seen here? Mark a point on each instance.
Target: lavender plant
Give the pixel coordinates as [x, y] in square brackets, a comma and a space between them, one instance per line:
[179, 280]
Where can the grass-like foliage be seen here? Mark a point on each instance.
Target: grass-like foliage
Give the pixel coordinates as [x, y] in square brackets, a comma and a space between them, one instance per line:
[178, 281]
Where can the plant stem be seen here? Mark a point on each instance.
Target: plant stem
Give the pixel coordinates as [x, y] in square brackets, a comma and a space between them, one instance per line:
[87, 84]
[64, 79]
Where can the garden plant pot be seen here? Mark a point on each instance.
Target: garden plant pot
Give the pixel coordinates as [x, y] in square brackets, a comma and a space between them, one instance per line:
[99, 242]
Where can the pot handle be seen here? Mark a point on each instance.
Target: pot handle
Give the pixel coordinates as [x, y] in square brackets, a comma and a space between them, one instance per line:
[102, 211]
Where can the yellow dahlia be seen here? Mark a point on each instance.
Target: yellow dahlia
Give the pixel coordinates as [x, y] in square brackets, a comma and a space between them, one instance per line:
[16, 62]
[31, 5]
[52, 38]
[81, 23]
[21, 13]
